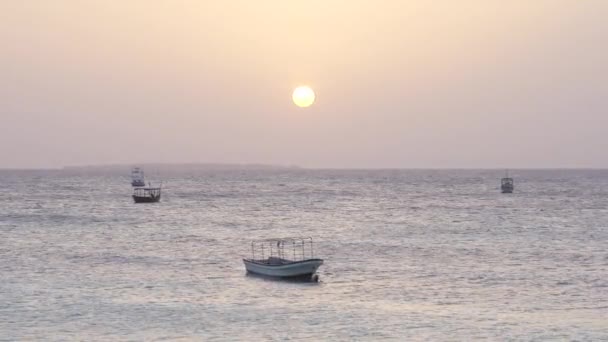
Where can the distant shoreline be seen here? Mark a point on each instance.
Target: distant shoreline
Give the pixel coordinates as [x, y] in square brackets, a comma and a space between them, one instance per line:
[259, 166]
[193, 166]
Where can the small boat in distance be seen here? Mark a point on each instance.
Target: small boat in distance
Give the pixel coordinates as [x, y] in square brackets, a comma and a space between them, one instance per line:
[137, 177]
[146, 195]
[287, 258]
[506, 184]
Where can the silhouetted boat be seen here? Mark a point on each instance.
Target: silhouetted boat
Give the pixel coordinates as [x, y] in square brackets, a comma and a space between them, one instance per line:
[290, 258]
[506, 184]
[137, 177]
[146, 195]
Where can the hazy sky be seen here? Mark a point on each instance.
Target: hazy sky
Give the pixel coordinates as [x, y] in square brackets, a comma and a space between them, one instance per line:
[399, 83]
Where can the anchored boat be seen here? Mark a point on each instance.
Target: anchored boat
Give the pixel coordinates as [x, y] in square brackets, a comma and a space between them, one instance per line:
[146, 195]
[291, 258]
[137, 177]
[506, 184]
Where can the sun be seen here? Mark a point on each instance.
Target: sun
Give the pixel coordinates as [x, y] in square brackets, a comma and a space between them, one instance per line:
[303, 96]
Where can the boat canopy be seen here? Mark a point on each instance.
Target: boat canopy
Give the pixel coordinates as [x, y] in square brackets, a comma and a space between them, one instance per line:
[290, 248]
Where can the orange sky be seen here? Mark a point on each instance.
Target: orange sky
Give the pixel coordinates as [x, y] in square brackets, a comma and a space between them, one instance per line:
[398, 83]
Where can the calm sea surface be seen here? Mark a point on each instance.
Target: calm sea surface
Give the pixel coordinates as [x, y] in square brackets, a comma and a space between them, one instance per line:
[409, 255]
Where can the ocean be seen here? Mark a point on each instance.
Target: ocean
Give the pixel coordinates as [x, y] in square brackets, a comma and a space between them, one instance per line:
[409, 255]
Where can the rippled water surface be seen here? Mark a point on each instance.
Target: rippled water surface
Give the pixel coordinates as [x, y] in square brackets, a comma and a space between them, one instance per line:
[416, 255]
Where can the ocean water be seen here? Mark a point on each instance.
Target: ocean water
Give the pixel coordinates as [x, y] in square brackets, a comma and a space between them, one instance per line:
[409, 255]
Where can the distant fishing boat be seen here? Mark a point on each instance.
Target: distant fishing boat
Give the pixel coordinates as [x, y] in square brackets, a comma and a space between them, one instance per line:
[146, 195]
[137, 177]
[290, 258]
[506, 184]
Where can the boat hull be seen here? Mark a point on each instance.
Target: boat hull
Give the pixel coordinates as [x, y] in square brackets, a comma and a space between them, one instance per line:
[139, 199]
[297, 269]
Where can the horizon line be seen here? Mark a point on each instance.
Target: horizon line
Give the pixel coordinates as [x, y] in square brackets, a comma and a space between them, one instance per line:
[293, 166]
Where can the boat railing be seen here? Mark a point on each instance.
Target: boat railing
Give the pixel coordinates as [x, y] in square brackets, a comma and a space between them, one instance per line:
[283, 250]
[146, 192]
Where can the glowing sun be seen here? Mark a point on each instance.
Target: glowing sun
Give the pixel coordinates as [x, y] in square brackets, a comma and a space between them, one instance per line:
[303, 96]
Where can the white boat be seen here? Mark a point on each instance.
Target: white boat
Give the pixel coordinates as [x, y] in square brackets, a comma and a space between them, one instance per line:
[137, 177]
[291, 258]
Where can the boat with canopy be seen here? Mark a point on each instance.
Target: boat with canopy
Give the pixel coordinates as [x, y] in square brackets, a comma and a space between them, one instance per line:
[291, 258]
